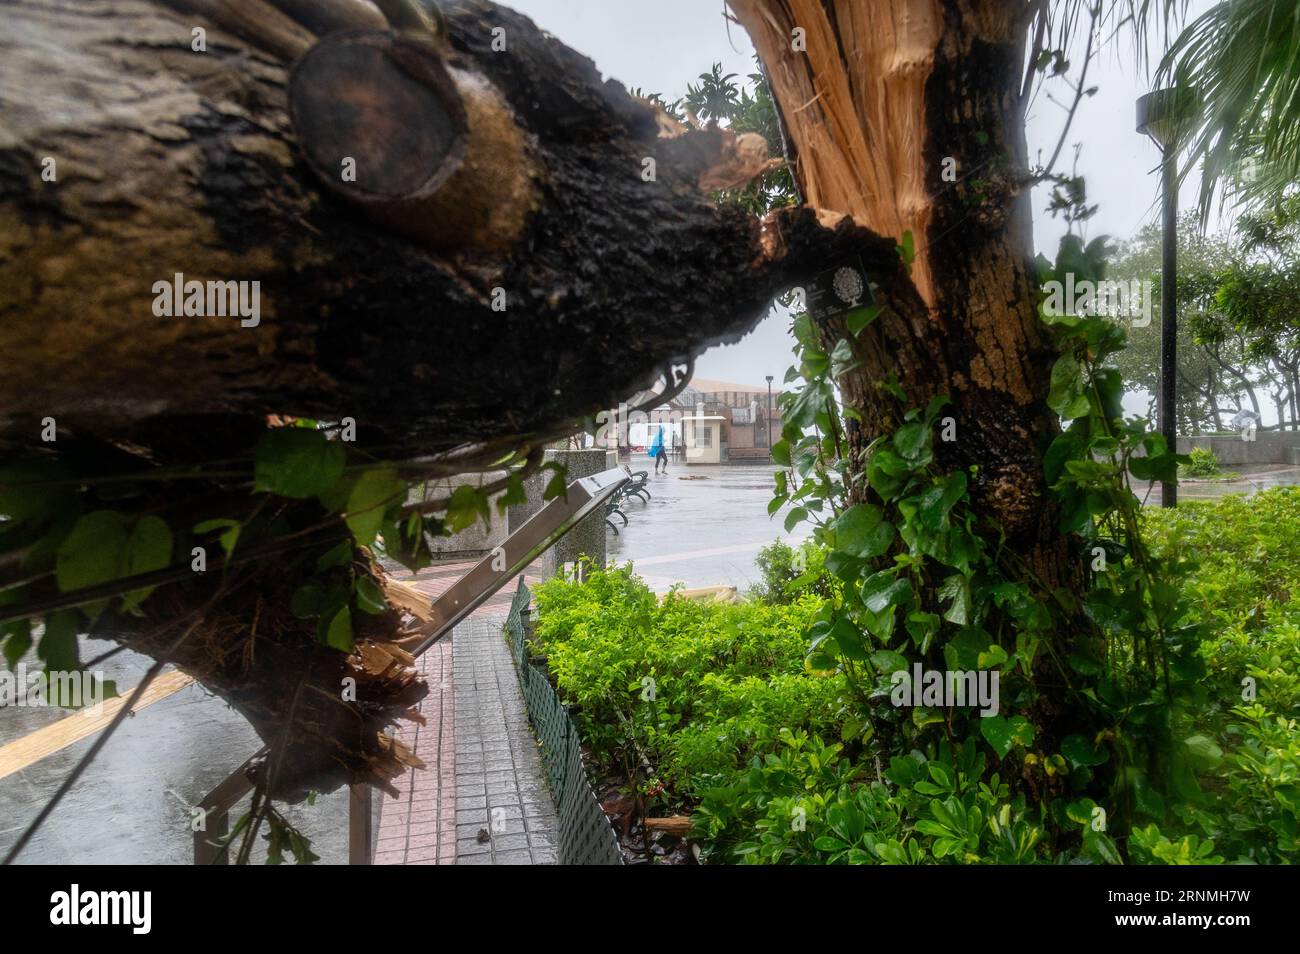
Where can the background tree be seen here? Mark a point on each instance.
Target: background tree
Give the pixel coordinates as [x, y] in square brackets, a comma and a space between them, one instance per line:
[1213, 377]
[1237, 319]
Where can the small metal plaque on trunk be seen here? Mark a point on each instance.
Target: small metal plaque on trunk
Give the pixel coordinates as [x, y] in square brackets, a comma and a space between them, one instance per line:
[839, 290]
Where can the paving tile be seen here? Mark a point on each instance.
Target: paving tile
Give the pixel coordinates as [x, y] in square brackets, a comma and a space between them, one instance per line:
[496, 754]
[502, 843]
[427, 855]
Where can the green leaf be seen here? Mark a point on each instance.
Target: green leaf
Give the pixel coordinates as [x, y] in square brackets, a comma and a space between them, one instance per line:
[1081, 752]
[295, 462]
[963, 650]
[1080, 811]
[337, 632]
[464, 508]
[514, 494]
[307, 600]
[923, 716]
[370, 598]
[849, 639]
[860, 531]
[888, 662]
[1003, 733]
[1069, 445]
[922, 627]
[992, 658]
[1101, 845]
[828, 843]
[887, 473]
[18, 641]
[1066, 395]
[912, 441]
[375, 492]
[58, 645]
[1203, 751]
[336, 556]
[859, 318]
[148, 548]
[938, 500]
[907, 248]
[229, 536]
[956, 589]
[29, 491]
[883, 590]
[781, 453]
[557, 486]
[91, 554]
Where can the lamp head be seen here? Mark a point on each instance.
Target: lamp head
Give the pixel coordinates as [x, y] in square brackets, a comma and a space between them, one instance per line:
[1166, 115]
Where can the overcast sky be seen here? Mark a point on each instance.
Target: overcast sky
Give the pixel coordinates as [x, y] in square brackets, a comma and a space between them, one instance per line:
[661, 46]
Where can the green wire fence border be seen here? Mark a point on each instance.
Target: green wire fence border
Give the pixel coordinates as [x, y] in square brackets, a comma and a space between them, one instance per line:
[584, 834]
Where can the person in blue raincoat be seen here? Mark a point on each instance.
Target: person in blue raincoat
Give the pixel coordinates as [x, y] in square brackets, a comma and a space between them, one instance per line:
[657, 450]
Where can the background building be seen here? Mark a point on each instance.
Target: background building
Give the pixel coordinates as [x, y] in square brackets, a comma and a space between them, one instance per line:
[737, 419]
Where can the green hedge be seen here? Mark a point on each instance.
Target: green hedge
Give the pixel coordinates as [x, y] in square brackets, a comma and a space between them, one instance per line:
[778, 765]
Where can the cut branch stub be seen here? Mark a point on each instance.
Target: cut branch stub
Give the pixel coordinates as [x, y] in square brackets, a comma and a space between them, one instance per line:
[386, 103]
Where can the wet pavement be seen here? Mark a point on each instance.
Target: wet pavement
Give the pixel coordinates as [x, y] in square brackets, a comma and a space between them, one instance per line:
[134, 803]
[703, 525]
[1249, 480]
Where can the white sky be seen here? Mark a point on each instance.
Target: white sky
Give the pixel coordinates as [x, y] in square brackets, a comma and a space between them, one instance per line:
[663, 45]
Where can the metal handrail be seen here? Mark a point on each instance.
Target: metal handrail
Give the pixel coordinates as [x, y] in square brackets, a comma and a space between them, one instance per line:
[539, 533]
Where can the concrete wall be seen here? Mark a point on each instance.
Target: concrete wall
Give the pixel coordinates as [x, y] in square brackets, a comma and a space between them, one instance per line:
[740, 435]
[474, 541]
[477, 541]
[1268, 447]
[588, 537]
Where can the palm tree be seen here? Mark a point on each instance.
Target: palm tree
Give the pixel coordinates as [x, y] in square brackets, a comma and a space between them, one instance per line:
[715, 98]
[1243, 60]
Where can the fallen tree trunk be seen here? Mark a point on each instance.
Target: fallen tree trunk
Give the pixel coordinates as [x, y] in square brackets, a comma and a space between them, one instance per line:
[215, 213]
[174, 162]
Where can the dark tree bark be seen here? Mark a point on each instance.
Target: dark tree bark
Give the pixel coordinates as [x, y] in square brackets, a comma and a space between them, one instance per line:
[921, 82]
[171, 161]
[883, 97]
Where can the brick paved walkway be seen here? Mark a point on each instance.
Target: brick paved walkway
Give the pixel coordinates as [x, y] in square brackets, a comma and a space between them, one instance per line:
[483, 770]
[418, 827]
[504, 813]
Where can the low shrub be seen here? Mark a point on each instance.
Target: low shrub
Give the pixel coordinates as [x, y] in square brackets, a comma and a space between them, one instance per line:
[772, 757]
[1204, 464]
[788, 573]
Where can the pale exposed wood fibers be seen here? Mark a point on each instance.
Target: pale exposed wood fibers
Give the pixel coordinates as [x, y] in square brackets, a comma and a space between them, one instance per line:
[860, 125]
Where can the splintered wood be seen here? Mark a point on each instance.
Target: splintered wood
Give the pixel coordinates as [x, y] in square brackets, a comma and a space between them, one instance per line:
[859, 128]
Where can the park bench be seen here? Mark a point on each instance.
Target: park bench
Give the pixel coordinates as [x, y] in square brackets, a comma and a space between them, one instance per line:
[636, 487]
[611, 510]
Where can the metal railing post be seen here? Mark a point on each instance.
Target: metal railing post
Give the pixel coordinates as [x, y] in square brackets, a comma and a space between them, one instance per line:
[360, 824]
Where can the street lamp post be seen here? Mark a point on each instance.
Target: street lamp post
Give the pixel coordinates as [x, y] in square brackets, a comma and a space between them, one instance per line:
[767, 418]
[1161, 115]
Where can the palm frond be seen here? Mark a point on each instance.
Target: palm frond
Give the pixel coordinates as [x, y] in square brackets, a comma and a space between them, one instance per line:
[1242, 58]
